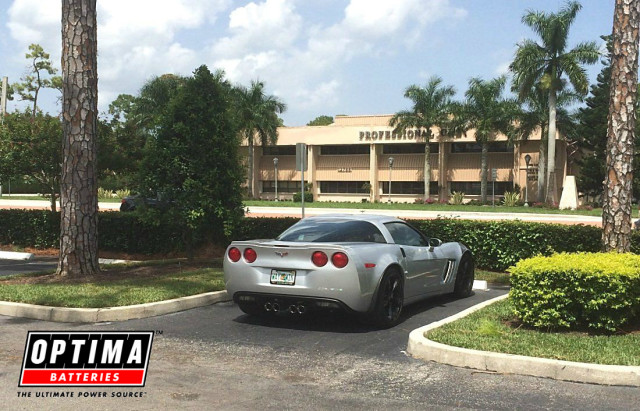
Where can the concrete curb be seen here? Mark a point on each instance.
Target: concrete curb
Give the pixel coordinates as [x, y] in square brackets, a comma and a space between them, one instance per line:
[11, 255]
[93, 315]
[421, 347]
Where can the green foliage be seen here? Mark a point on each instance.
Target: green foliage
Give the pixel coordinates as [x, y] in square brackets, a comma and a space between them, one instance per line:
[308, 197]
[511, 199]
[31, 147]
[457, 197]
[321, 121]
[192, 164]
[584, 290]
[40, 66]
[497, 245]
[123, 193]
[104, 194]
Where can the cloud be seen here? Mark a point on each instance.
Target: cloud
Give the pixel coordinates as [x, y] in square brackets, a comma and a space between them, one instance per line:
[137, 39]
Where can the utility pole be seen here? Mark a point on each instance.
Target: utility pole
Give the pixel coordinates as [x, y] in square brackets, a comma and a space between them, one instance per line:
[3, 100]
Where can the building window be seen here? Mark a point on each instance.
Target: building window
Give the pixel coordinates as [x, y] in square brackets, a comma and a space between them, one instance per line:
[344, 150]
[408, 148]
[472, 188]
[495, 147]
[408, 187]
[344, 187]
[284, 186]
[279, 150]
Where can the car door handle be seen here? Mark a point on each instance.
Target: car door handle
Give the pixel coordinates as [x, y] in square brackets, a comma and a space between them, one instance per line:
[402, 251]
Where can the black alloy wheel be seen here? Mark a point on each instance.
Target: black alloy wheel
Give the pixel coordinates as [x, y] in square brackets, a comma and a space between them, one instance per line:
[464, 277]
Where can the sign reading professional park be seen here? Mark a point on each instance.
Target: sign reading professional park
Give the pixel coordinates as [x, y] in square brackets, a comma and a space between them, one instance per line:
[86, 359]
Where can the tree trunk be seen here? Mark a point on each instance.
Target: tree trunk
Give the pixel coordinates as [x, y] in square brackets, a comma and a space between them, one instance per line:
[427, 171]
[616, 210]
[52, 190]
[483, 172]
[78, 194]
[542, 166]
[250, 176]
[551, 142]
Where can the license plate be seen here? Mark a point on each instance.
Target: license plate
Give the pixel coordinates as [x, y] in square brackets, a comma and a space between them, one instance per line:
[283, 277]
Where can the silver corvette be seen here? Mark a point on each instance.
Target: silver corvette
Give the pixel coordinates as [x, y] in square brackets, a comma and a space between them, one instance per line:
[364, 264]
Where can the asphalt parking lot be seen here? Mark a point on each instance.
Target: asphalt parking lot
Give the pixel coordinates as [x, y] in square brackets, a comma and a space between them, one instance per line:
[216, 357]
[8, 267]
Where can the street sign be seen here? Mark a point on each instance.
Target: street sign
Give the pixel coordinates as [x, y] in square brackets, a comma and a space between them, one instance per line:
[494, 174]
[301, 157]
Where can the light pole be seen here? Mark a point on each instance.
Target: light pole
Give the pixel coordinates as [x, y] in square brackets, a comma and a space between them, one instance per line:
[275, 178]
[390, 169]
[527, 159]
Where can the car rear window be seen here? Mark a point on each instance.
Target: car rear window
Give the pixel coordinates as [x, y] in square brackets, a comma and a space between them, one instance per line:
[333, 231]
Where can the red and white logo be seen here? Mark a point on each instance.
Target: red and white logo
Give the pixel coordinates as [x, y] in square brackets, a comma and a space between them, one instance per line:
[86, 359]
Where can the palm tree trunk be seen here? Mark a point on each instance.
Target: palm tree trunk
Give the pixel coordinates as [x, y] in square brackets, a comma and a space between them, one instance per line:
[79, 193]
[616, 210]
[551, 142]
[483, 172]
[427, 171]
[542, 165]
[250, 171]
[52, 189]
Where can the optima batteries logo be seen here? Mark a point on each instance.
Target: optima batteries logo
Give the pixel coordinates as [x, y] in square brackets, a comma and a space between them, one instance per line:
[86, 359]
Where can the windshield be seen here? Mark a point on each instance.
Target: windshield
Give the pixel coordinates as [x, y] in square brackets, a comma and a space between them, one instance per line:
[333, 231]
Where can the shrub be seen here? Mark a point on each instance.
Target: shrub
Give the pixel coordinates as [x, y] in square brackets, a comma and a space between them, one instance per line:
[123, 193]
[308, 197]
[511, 199]
[585, 290]
[103, 193]
[457, 198]
[497, 245]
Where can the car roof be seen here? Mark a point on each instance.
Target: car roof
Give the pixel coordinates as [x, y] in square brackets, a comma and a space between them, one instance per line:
[372, 218]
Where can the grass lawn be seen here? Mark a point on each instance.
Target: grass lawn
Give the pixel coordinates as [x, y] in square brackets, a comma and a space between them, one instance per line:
[427, 207]
[488, 330]
[115, 286]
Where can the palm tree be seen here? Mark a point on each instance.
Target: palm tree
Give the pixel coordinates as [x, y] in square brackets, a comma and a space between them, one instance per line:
[258, 117]
[549, 64]
[487, 113]
[616, 210]
[534, 117]
[431, 108]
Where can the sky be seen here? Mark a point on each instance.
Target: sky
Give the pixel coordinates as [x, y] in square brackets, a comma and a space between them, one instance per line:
[320, 57]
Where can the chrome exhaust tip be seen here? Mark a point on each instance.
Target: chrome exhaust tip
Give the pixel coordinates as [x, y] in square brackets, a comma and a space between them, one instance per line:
[301, 309]
[293, 309]
[268, 306]
[276, 307]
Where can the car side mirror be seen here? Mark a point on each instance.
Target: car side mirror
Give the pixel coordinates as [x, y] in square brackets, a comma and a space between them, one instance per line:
[434, 242]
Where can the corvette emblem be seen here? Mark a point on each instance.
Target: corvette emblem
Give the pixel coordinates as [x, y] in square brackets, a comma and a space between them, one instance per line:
[282, 253]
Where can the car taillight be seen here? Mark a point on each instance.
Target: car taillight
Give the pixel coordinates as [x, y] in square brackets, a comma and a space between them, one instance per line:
[250, 255]
[340, 260]
[234, 254]
[319, 258]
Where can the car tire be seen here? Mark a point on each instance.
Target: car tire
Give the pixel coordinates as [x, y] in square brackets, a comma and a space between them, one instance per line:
[389, 300]
[464, 277]
[251, 308]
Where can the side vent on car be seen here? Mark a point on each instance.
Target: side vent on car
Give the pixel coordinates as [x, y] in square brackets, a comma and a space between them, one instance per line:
[448, 272]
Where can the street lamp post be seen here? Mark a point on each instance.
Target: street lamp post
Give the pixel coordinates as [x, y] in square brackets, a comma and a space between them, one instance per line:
[527, 159]
[275, 178]
[390, 169]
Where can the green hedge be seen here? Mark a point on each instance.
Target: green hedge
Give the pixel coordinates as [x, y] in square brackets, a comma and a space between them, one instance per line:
[585, 290]
[496, 245]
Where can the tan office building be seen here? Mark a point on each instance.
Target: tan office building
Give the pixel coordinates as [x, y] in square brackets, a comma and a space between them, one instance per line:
[349, 161]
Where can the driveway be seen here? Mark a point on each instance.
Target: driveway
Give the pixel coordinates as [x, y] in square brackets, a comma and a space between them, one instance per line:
[216, 357]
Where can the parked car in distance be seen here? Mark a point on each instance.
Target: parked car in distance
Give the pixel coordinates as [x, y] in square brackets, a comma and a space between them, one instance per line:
[367, 265]
[131, 203]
